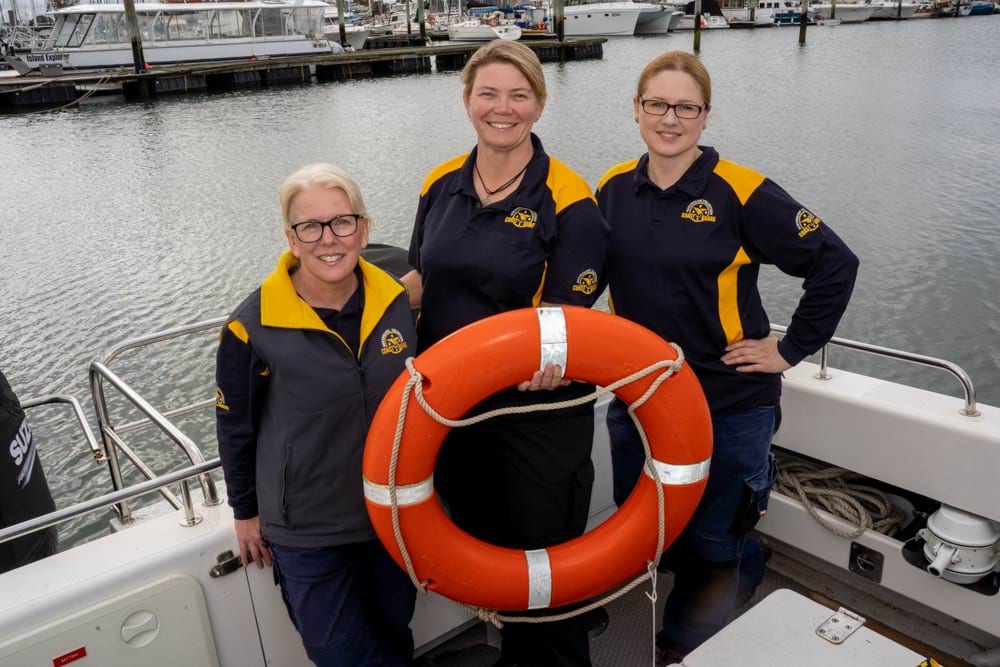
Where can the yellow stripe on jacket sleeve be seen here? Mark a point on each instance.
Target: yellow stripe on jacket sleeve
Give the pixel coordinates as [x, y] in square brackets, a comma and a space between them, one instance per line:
[238, 330]
[743, 180]
[566, 185]
[437, 172]
[729, 309]
[620, 168]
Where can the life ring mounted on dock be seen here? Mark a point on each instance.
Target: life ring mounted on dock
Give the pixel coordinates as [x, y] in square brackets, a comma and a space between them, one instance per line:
[590, 346]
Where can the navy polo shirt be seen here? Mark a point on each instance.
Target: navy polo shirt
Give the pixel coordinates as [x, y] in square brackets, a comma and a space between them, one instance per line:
[544, 242]
[684, 262]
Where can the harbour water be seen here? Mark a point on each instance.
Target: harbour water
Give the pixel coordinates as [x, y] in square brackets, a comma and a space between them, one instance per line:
[122, 219]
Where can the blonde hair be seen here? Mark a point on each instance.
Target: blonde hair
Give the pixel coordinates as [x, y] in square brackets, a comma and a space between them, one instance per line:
[320, 175]
[510, 53]
[677, 61]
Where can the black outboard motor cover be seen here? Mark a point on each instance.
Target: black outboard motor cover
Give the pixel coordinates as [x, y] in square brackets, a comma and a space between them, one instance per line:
[24, 493]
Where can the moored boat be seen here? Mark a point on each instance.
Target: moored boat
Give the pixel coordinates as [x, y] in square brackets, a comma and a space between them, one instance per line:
[96, 36]
[893, 11]
[601, 18]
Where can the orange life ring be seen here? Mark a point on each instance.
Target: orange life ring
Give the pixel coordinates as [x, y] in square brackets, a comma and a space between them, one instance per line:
[464, 368]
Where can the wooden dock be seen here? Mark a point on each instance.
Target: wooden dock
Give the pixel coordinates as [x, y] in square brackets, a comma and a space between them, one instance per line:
[33, 91]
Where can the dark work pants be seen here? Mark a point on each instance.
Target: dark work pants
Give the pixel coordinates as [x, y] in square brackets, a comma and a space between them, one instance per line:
[351, 603]
[524, 482]
[714, 560]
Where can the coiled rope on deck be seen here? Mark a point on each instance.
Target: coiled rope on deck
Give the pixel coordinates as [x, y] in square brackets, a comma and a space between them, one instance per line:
[831, 489]
[415, 386]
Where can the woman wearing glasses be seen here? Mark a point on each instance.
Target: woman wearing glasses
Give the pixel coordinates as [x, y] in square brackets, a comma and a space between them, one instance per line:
[689, 231]
[506, 226]
[302, 364]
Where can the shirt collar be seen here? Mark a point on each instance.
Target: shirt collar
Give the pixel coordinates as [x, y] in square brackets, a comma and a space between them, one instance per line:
[467, 186]
[692, 183]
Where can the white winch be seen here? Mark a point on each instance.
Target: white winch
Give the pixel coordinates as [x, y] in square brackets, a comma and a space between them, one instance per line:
[961, 547]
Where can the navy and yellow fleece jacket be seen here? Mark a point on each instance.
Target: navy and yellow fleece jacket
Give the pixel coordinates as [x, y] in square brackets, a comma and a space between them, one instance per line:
[294, 402]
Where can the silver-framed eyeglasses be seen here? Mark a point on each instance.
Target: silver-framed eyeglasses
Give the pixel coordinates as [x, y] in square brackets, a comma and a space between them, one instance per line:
[311, 231]
[684, 110]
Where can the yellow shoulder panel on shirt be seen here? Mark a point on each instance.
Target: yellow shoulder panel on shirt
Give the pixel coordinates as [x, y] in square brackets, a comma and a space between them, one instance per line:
[437, 172]
[620, 168]
[566, 185]
[239, 330]
[743, 180]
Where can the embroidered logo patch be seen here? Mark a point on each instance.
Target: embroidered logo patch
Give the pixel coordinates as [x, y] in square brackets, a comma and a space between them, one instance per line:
[522, 218]
[392, 342]
[699, 211]
[586, 282]
[220, 400]
[806, 222]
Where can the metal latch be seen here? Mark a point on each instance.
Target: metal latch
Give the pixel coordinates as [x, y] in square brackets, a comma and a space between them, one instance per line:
[226, 563]
[840, 626]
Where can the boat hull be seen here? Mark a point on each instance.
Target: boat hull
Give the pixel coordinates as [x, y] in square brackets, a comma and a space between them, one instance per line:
[609, 19]
[156, 54]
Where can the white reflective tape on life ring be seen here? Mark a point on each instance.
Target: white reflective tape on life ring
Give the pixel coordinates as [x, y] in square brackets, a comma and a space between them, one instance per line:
[409, 494]
[539, 579]
[552, 336]
[677, 475]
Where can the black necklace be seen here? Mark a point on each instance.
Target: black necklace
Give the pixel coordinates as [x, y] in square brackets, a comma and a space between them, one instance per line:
[490, 193]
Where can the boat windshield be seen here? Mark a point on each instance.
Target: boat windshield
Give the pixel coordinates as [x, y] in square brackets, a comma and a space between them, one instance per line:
[103, 28]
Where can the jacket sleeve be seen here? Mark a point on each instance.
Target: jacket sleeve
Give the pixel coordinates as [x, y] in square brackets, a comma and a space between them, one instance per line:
[241, 385]
[778, 230]
[576, 263]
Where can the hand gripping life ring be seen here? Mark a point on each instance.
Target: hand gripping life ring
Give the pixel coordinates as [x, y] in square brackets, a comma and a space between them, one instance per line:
[493, 354]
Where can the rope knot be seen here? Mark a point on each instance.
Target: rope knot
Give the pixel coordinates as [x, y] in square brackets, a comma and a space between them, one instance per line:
[489, 616]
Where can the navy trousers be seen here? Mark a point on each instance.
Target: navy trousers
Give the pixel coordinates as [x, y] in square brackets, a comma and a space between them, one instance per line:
[714, 560]
[351, 603]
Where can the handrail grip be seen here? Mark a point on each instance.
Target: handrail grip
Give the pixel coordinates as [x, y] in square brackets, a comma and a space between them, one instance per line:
[95, 447]
[98, 370]
[967, 387]
[115, 497]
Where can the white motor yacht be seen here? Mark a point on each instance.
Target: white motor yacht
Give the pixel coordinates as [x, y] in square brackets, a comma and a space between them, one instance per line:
[708, 22]
[356, 35]
[847, 12]
[475, 30]
[653, 19]
[601, 18]
[893, 11]
[96, 36]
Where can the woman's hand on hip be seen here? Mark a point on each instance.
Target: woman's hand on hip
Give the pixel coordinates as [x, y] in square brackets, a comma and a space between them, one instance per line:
[753, 355]
[548, 378]
[253, 548]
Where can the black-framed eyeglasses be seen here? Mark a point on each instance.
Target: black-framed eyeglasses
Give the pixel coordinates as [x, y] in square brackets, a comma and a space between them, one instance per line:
[684, 110]
[311, 231]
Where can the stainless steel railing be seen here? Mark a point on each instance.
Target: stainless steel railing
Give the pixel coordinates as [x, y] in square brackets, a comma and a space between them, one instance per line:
[921, 360]
[111, 436]
[191, 518]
